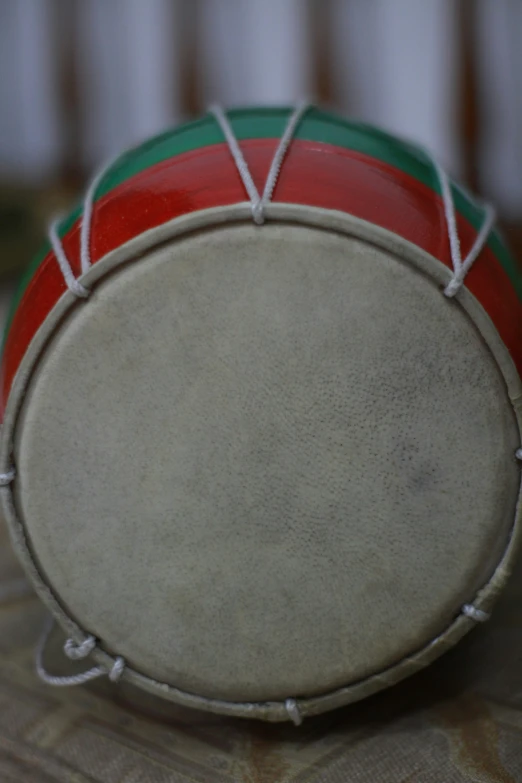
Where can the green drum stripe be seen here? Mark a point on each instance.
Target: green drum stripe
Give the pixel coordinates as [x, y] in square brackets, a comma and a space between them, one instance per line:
[317, 125]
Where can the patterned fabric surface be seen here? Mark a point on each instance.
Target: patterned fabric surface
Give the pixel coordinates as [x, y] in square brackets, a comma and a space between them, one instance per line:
[460, 720]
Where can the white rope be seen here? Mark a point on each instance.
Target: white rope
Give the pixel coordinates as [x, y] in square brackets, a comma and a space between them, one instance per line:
[85, 236]
[475, 614]
[277, 161]
[461, 266]
[63, 262]
[259, 202]
[88, 203]
[75, 651]
[235, 151]
[293, 711]
[7, 478]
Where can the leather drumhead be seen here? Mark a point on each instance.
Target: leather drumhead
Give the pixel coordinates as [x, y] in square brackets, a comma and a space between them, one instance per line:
[262, 463]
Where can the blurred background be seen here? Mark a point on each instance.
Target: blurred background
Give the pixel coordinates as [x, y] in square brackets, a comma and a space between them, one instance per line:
[80, 79]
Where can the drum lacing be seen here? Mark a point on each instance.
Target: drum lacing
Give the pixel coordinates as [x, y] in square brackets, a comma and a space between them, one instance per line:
[259, 202]
[293, 711]
[76, 651]
[7, 478]
[479, 615]
[71, 282]
[460, 266]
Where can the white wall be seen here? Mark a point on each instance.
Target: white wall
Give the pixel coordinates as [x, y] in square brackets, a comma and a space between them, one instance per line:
[395, 65]
[499, 63]
[128, 72]
[255, 52]
[31, 130]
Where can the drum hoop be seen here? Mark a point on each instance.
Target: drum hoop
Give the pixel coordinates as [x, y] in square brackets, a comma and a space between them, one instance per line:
[322, 219]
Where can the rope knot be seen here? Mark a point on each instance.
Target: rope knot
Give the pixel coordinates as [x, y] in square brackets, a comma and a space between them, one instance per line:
[76, 651]
[117, 669]
[453, 287]
[294, 713]
[258, 213]
[479, 615]
[7, 478]
[79, 290]
[258, 201]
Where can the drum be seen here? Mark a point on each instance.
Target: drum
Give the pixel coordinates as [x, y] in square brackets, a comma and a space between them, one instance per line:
[261, 415]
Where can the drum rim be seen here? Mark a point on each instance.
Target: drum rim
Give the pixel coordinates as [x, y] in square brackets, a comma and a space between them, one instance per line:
[319, 218]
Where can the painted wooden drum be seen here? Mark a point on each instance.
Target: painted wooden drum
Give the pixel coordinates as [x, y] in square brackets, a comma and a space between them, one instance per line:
[261, 415]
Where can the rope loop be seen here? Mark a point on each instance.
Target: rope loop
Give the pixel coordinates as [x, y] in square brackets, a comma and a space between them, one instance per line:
[74, 286]
[461, 266]
[7, 478]
[293, 711]
[479, 615]
[257, 200]
[75, 651]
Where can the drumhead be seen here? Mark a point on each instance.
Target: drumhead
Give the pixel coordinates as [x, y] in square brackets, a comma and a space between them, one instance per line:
[263, 464]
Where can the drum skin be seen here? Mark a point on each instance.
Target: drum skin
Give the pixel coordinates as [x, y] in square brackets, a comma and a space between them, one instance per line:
[267, 463]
